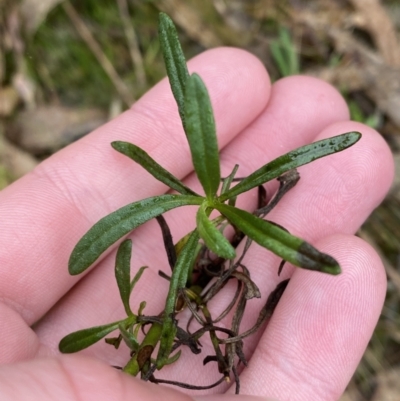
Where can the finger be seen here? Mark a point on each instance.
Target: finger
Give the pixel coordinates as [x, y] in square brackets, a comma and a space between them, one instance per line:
[45, 213]
[320, 328]
[18, 340]
[80, 308]
[75, 378]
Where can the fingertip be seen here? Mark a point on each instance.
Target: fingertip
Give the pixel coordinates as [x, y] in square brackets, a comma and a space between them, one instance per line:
[367, 167]
[345, 306]
[237, 69]
[316, 96]
[363, 274]
[321, 326]
[335, 316]
[307, 100]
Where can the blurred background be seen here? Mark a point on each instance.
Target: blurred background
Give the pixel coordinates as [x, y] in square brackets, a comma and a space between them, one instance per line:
[68, 66]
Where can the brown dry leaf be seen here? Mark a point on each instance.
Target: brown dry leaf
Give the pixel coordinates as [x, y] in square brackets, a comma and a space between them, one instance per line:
[321, 15]
[379, 80]
[8, 101]
[352, 394]
[49, 128]
[25, 87]
[361, 68]
[199, 21]
[378, 23]
[34, 12]
[388, 385]
[235, 14]
[14, 160]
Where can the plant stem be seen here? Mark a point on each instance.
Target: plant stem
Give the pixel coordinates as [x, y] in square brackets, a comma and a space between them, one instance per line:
[135, 364]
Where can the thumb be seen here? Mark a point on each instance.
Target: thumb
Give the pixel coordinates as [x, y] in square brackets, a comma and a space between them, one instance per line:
[78, 378]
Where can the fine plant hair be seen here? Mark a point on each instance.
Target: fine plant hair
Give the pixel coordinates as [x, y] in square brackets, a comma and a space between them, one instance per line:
[204, 260]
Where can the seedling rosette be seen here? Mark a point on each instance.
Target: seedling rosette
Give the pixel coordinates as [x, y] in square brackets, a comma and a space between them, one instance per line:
[192, 284]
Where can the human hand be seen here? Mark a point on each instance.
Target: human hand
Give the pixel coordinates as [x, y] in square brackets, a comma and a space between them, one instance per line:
[322, 324]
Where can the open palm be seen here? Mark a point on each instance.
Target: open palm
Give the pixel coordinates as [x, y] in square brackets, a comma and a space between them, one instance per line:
[322, 324]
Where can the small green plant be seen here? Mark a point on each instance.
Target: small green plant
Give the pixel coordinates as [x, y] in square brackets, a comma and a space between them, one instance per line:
[205, 259]
[284, 54]
[372, 120]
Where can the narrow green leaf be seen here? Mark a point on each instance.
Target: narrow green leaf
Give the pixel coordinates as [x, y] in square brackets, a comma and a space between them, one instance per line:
[143, 303]
[82, 339]
[211, 236]
[293, 159]
[174, 60]
[123, 273]
[119, 223]
[150, 165]
[129, 339]
[137, 277]
[184, 263]
[287, 246]
[226, 182]
[200, 131]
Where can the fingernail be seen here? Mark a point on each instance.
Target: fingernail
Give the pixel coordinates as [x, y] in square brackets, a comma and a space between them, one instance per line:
[231, 397]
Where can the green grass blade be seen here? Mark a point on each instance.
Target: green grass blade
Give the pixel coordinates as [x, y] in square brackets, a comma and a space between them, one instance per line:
[200, 131]
[174, 60]
[287, 246]
[123, 273]
[284, 54]
[293, 159]
[82, 339]
[183, 266]
[211, 236]
[150, 165]
[119, 223]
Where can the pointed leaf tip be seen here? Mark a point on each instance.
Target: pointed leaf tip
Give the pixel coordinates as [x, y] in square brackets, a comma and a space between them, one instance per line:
[295, 158]
[201, 135]
[279, 241]
[174, 60]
